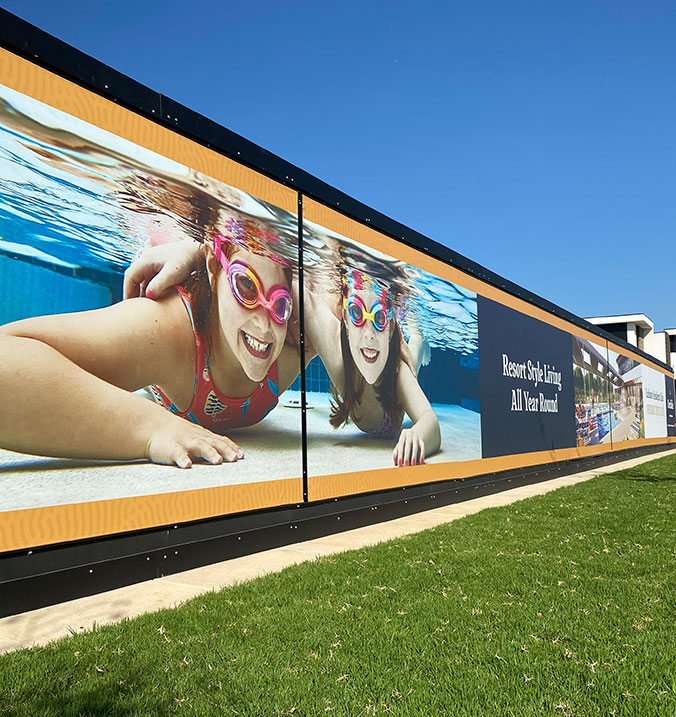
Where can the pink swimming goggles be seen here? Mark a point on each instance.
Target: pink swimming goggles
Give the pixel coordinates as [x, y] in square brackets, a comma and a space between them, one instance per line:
[247, 287]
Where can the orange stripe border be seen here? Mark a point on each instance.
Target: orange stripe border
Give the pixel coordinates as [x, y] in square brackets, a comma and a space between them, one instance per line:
[45, 86]
[334, 486]
[34, 527]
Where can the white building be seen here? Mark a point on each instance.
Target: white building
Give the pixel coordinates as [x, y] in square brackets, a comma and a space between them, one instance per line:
[638, 330]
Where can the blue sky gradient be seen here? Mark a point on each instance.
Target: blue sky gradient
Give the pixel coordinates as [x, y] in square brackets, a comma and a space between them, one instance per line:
[535, 138]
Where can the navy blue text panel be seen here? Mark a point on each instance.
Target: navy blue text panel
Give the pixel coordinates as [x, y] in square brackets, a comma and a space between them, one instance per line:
[526, 375]
[671, 414]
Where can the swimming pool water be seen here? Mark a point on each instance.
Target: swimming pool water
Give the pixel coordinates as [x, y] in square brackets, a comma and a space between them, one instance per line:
[82, 201]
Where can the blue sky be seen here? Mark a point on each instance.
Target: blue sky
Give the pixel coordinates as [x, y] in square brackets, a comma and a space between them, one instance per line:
[536, 138]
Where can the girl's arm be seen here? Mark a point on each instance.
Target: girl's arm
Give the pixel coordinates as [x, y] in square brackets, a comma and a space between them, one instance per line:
[160, 267]
[322, 330]
[423, 438]
[65, 382]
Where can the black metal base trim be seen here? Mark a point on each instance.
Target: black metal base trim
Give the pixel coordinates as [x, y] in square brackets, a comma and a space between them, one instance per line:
[46, 576]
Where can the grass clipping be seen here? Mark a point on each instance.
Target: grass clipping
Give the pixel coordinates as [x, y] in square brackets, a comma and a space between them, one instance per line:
[562, 604]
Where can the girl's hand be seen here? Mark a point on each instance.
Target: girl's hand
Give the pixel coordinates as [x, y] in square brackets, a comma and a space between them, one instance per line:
[424, 437]
[160, 267]
[179, 442]
[410, 448]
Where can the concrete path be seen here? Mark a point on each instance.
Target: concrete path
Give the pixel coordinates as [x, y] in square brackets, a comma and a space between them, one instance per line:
[39, 627]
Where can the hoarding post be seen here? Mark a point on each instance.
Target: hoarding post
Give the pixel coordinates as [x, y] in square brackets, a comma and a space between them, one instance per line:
[301, 325]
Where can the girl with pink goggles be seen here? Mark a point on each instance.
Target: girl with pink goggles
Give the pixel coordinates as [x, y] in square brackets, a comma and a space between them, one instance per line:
[247, 288]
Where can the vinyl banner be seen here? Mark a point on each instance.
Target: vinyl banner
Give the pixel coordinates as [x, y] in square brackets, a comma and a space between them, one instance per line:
[654, 400]
[592, 375]
[395, 379]
[418, 370]
[671, 414]
[626, 397]
[526, 383]
[78, 201]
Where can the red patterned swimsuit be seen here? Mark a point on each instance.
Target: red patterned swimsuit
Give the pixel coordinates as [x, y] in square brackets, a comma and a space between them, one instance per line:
[209, 407]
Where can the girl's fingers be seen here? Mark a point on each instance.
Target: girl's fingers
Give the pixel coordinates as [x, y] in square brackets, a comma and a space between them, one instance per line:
[227, 448]
[182, 459]
[228, 452]
[197, 449]
[415, 449]
[131, 284]
[399, 451]
[135, 279]
[408, 449]
[163, 280]
[237, 451]
[215, 449]
[207, 451]
[418, 454]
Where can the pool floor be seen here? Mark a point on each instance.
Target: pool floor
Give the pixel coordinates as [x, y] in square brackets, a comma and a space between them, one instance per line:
[272, 453]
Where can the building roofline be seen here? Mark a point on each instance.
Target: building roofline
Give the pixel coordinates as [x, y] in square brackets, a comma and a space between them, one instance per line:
[640, 319]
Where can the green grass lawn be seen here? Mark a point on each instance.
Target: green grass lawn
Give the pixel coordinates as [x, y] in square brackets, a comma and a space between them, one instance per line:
[562, 604]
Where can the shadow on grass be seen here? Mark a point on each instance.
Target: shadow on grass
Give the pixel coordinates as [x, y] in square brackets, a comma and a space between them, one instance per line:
[647, 477]
[98, 702]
